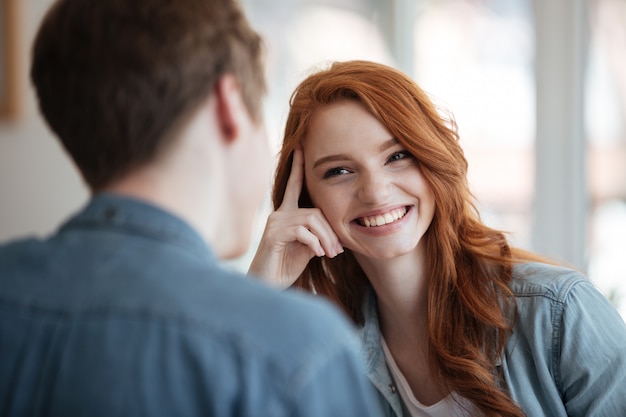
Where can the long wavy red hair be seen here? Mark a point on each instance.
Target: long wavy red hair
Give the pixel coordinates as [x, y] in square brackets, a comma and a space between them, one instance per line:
[470, 306]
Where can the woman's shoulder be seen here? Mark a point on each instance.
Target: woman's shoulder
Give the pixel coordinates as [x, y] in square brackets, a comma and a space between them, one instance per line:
[537, 279]
[553, 292]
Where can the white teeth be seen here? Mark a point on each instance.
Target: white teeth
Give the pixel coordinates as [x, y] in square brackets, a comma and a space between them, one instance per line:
[383, 219]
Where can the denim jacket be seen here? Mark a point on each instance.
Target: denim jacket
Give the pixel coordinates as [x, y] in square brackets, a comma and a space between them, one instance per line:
[565, 357]
[126, 312]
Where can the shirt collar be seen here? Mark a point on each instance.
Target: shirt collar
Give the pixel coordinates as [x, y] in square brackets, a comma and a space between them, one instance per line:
[139, 217]
[374, 357]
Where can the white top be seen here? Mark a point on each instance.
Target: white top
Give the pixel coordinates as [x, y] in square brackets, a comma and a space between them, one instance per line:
[451, 406]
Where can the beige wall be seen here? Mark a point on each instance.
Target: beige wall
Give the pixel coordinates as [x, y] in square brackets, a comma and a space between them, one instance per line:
[39, 186]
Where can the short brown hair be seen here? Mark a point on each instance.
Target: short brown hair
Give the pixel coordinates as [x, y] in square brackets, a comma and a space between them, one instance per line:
[116, 78]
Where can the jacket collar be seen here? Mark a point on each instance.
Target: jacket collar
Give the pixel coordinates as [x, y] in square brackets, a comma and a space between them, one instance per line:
[373, 355]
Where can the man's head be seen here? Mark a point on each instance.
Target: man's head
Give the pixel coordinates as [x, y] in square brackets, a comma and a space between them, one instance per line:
[117, 79]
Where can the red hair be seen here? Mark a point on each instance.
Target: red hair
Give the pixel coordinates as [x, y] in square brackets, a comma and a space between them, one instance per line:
[470, 304]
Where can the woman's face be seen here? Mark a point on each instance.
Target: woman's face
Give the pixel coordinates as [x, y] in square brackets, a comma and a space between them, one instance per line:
[369, 187]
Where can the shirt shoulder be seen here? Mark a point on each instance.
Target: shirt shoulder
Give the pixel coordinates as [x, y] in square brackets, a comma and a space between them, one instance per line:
[553, 282]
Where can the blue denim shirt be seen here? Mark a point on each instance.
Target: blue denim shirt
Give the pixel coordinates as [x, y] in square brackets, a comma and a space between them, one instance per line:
[126, 312]
[565, 357]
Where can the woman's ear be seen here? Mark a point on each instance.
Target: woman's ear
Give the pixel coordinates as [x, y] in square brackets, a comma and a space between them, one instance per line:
[231, 110]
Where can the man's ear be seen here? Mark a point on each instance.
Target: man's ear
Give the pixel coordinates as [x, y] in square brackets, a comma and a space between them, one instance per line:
[230, 106]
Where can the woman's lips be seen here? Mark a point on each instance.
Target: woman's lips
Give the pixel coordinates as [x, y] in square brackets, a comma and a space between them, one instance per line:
[382, 219]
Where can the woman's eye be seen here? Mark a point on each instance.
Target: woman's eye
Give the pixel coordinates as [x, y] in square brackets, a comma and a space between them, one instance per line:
[334, 172]
[396, 156]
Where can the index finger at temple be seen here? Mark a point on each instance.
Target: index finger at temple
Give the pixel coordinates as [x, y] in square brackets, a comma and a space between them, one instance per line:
[295, 182]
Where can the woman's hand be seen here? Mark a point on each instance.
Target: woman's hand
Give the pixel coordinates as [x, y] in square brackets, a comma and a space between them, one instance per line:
[293, 235]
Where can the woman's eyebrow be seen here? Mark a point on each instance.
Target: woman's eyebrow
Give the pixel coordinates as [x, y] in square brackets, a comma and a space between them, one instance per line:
[330, 158]
[342, 157]
[388, 144]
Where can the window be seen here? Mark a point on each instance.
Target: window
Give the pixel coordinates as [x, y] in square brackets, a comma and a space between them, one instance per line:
[606, 128]
[476, 59]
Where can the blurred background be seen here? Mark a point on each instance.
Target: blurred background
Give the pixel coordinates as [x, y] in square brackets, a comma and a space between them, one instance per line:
[538, 89]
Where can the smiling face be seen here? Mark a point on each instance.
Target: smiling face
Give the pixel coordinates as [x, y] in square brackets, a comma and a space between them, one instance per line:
[369, 187]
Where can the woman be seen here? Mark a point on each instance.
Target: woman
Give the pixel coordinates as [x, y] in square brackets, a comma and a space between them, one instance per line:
[373, 211]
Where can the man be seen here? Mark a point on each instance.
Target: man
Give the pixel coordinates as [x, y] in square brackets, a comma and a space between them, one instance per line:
[126, 310]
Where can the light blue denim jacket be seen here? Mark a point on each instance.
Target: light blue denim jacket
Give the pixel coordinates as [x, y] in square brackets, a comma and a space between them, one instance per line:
[126, 312]
[565, 357]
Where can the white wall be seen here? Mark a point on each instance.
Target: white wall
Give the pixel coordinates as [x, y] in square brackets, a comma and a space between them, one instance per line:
[39, 186]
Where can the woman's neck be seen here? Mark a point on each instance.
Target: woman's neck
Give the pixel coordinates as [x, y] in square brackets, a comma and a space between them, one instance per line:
[401, 286]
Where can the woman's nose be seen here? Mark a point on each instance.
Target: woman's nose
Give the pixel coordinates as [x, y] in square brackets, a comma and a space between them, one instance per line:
[374, 187]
